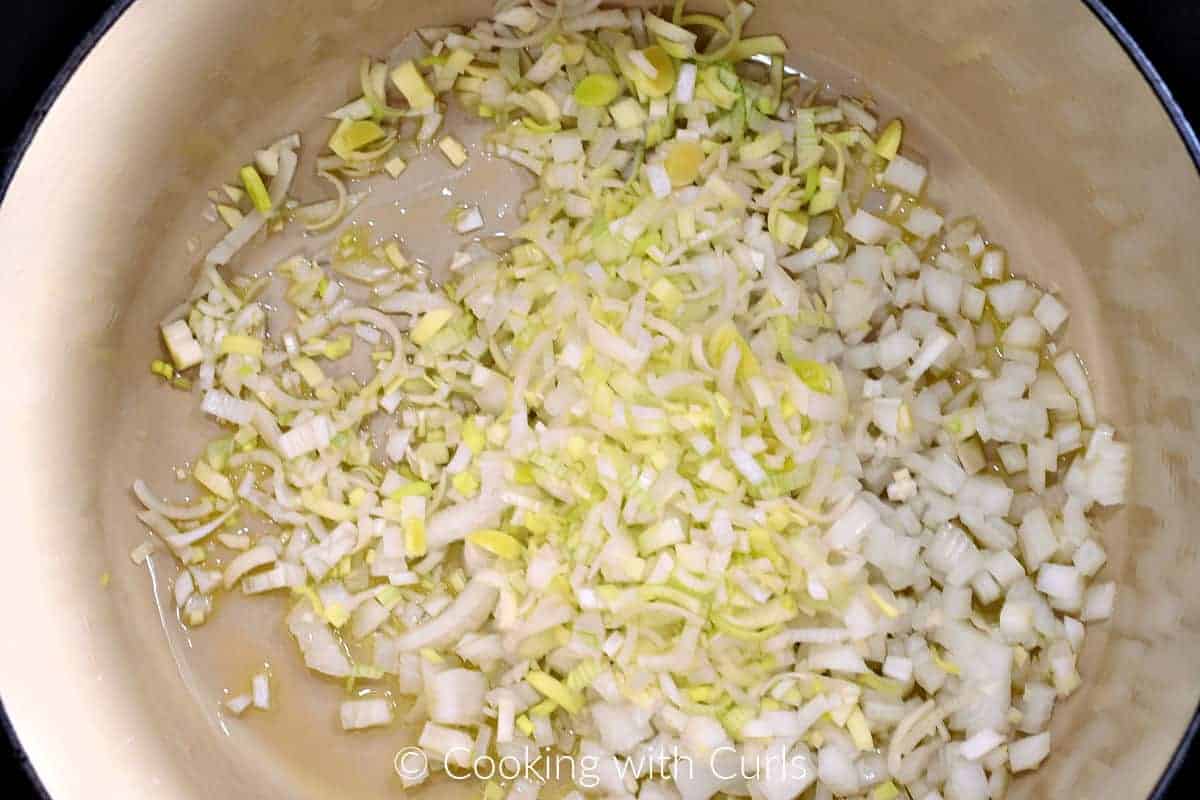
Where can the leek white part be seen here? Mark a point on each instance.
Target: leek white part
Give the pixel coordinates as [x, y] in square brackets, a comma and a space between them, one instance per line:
[282, 182]
[226, 407]
[685, 83]
[355, 109]
[660, 183]
[314, 434]
[200, 532]
[237, 238]
[174, 512]
[452, 524]
[283, 576]
[184, 349]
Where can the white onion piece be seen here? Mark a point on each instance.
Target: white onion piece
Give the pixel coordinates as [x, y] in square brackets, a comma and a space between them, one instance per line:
[457, 697]
[190, 537]
[246, 562]
[169, 510]
[1028, 753]
[465, 614]
[358, 714]
[906, 175]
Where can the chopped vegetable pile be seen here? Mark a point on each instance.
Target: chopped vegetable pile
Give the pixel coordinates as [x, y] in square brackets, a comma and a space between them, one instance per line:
[739, 447]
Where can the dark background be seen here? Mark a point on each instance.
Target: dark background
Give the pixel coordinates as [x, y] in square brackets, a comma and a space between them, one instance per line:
[38, 37]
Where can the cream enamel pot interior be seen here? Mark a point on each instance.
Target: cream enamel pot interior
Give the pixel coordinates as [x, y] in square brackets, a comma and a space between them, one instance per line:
[1031, 114]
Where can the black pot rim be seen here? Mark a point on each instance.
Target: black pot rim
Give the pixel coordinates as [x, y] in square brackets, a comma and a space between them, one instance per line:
[119, 7]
